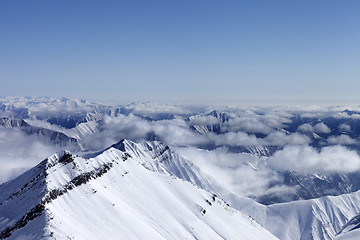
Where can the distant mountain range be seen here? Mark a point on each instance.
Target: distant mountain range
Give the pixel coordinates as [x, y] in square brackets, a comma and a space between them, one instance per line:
[181, 171]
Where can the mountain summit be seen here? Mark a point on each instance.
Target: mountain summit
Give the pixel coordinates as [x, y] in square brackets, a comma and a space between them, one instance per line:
[128, 191]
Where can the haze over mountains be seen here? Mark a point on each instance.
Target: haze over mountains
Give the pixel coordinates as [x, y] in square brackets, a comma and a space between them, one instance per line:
[178, 171]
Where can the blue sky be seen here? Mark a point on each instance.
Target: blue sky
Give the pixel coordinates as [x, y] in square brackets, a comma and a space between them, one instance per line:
[182, 51]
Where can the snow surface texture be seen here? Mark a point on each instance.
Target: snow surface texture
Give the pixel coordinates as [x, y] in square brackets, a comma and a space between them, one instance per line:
[321, 218]
[350, 230]
[125, 192]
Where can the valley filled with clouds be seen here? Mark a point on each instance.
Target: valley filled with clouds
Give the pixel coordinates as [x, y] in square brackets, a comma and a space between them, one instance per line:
[269, 153]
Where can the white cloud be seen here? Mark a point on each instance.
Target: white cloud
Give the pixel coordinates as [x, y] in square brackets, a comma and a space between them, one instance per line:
[204, 120]
[242, 173]
[342, 139]
[273, 139]
[249, 124]
[177, 132]
[19, 152]
[318, 128]
[345, 127]
[305, 128]
[113, 129]
[340, 115]
[235, 171]
[282, 139]
[236, 139]
[321, 128]
[151, 109]
[255, 127]
[305, 159]
[276, 121]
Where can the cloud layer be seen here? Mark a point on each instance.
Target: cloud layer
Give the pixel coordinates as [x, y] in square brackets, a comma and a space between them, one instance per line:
[19, 152]
[219, 142]
[306, 159]
[318, 128]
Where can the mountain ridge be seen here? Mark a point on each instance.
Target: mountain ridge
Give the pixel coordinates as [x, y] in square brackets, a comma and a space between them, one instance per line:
[64, 176]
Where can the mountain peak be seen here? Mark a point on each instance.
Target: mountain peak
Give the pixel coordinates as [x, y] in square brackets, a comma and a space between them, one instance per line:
[120, 145]
[132, 185]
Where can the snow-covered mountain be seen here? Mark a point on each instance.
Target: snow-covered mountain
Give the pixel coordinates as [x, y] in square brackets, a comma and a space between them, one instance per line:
[321, 218]
[350, 230]
[50, 135]
[210, 122]
[294, 169]
[149, 186]
[128, 191]
[60, 111]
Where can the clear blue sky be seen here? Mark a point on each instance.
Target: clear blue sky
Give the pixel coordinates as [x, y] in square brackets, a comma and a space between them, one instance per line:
[182, 51]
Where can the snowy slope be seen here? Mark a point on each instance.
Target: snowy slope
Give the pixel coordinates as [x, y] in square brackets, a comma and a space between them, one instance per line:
[56, 137]
[351, 230]
[320, 218]
[351, 235]
[129, 191]
[85, 128]
[202, 127]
